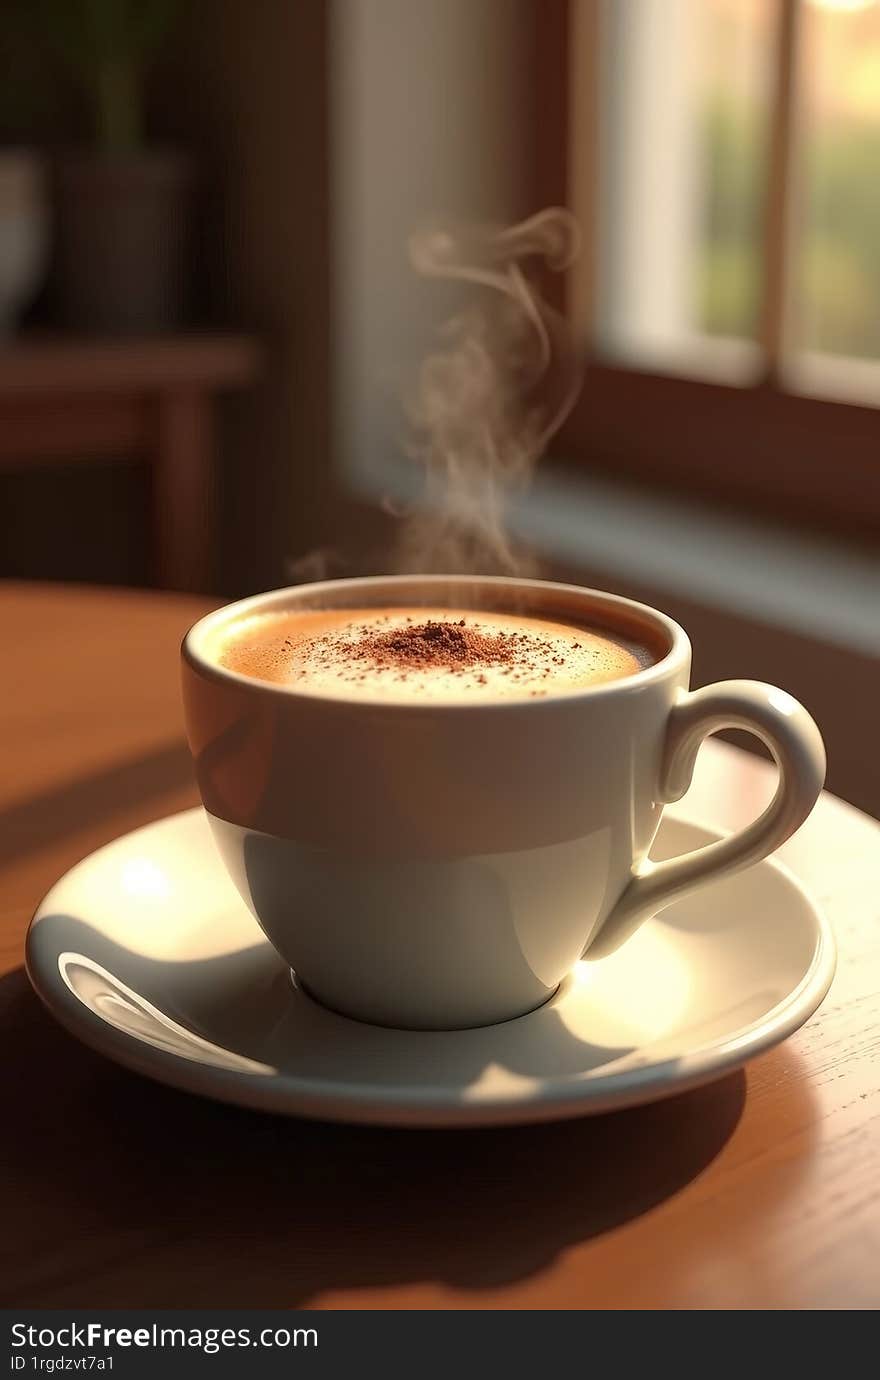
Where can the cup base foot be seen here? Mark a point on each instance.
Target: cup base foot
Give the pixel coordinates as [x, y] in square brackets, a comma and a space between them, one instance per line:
[300, 986]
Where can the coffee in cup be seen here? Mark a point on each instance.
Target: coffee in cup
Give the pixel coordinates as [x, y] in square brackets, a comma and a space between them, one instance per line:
[442, 654]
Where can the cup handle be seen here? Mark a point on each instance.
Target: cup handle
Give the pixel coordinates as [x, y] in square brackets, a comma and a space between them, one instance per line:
[796, 744]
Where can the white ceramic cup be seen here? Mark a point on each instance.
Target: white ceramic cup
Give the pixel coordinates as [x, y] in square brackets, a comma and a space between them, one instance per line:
[445, 865]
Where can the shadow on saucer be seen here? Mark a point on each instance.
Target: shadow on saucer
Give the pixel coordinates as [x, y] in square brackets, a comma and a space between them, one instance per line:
[215, 1010]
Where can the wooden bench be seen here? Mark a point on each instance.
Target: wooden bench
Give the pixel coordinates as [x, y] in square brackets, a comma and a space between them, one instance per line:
[73, 400]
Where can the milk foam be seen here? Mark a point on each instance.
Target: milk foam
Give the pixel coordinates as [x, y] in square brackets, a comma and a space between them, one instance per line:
[417, 654]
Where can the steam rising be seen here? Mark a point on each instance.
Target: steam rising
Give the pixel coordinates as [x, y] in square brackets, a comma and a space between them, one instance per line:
[491, 397]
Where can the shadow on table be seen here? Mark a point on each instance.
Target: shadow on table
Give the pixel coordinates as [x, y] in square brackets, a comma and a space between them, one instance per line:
[37, 822]
[118, 1191]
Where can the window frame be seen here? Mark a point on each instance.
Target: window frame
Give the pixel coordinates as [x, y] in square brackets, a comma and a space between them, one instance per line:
[760, 446]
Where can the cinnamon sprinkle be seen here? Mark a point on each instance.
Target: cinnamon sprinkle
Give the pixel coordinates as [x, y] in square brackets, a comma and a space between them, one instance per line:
[446, 646]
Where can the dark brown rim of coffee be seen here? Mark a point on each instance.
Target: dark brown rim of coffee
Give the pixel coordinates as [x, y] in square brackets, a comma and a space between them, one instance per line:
[613, 613]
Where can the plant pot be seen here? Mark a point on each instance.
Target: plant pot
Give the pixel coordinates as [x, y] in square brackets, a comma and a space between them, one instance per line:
[24, 233]
[123, 241]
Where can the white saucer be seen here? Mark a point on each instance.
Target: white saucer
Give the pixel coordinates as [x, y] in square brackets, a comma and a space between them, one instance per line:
[145, 951]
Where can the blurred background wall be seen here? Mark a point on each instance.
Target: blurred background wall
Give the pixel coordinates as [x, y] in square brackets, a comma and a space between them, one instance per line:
[426, 101]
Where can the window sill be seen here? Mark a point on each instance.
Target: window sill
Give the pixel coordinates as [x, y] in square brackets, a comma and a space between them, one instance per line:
[818, 586]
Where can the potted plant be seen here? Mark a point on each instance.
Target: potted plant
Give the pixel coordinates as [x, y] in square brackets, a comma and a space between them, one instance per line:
[123, 209]
[24, 233]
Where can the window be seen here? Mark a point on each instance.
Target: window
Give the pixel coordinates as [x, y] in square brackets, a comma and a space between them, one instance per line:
[725, 155]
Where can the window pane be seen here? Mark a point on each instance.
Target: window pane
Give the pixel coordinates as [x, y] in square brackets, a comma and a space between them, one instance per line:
[684, 104]
[835, 287]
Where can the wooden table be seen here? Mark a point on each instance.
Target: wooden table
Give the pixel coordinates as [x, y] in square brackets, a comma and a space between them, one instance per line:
[76, 401]
[761, 1191]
